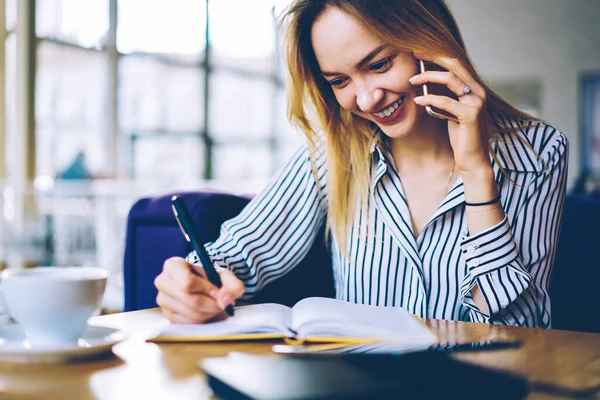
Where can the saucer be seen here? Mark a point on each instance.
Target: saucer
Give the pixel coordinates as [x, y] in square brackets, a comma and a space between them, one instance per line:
[95, 341]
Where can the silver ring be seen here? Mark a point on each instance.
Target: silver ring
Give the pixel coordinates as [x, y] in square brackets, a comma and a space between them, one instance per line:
[465, 90]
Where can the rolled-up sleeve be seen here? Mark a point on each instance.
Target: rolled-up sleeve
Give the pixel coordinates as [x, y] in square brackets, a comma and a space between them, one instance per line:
[276, 229]
[512, 261]
[494, 264]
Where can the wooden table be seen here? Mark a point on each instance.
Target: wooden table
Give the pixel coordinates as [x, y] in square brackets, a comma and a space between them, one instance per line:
[142, 370]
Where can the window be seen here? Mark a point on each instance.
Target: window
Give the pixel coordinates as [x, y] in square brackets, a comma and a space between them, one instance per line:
[174, 27]
[156, 96]
[70, 107]
[10, 98]
[172, 91]
[71, 84]
[242, 35]
[82, 23]
[11, 14]
[131, 85]
[152, 73]
[166, 159]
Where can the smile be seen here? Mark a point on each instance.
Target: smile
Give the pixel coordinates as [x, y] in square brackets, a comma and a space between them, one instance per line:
[389, 110]
[390, 114]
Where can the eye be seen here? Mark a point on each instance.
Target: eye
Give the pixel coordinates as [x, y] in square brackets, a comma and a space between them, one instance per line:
[338, 83]
[383, 65]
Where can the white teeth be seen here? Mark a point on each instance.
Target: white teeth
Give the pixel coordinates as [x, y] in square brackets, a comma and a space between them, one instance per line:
[388, 111]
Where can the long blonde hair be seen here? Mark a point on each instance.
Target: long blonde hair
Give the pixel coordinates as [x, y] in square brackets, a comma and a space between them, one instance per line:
[414, 25]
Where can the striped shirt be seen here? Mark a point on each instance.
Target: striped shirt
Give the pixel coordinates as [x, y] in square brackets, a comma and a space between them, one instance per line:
[430, 275]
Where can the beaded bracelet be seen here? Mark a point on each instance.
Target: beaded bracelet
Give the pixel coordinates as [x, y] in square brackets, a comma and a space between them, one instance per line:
[487, 203]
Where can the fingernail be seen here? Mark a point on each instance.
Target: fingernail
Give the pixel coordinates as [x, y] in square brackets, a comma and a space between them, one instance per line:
[413, 78]
[214, 293]
[418, 99]
[225, 301]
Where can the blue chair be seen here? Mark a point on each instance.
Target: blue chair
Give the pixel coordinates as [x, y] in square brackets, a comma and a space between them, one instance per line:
[153, 236]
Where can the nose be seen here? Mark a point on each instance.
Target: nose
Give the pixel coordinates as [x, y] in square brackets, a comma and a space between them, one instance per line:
[368, 98]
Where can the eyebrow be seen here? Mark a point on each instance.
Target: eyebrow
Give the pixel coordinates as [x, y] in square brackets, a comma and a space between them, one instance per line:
[362, 62]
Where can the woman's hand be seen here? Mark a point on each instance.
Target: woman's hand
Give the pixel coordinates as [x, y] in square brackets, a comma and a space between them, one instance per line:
[186, 297]
[470, 136]
[469, 139]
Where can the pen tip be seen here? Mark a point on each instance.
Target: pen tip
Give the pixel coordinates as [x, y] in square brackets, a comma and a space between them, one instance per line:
[229, 310]
[175, 197]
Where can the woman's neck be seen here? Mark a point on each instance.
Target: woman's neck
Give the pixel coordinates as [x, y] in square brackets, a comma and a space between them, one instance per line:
[429, 144]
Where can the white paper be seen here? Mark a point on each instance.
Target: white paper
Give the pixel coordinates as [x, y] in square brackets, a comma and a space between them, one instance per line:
[328, 317]
[259, 318]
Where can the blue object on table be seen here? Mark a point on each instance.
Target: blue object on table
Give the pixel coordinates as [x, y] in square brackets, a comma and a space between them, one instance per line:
[77, 170]
[153, 236]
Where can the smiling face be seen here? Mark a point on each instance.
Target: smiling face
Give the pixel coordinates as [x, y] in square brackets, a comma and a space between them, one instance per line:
[368, 77]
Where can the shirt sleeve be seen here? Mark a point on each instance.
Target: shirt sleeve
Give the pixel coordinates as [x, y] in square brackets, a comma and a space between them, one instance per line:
[496, 263]
[275, 231]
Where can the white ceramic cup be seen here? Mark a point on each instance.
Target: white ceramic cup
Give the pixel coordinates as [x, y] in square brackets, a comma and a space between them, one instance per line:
[53, 304]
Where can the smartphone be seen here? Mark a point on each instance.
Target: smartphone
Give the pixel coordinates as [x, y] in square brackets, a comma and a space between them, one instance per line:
[394, 348]
[436, 89]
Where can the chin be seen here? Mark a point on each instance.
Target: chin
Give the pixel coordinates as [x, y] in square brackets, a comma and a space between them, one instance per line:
[402, 128]
[397, 131]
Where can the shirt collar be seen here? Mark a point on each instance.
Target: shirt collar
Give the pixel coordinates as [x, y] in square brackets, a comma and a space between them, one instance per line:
[513, 151]
[378, 156]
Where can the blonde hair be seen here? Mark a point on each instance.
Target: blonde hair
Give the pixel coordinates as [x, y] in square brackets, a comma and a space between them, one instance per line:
[413, 25]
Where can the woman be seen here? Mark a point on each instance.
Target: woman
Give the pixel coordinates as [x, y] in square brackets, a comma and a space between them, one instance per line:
[451, 220]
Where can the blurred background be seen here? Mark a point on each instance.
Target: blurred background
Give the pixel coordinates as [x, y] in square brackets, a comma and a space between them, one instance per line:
[108, 101]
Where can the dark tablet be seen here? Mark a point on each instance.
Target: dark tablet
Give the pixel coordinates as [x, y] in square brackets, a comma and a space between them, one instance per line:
[424, 375]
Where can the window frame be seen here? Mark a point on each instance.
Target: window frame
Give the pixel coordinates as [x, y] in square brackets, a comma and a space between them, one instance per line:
[118, 144]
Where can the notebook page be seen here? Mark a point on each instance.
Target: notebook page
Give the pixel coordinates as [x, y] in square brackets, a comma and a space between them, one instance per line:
[323, 317]
[252, 319]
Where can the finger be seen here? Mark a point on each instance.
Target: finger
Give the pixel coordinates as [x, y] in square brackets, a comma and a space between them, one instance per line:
[177, 318]
[180, 319]
[187, 277]
[197, 308]
[178, 265]
[455, 66]
[197, 269]
[462, 111]
[193, 301]
[231, 289]
[232, 283]
[167, 287]
[448, 79]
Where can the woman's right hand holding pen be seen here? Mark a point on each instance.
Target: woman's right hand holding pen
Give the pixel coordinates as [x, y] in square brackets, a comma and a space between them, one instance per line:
[186, 296]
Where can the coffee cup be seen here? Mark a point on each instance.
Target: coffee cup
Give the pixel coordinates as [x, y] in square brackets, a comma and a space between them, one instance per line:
[52, 304]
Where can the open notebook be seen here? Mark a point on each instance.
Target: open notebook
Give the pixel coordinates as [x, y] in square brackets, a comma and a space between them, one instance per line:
[313, 319]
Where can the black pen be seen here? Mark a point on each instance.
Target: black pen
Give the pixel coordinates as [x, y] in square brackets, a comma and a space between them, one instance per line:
[476, 346]
[184, 219]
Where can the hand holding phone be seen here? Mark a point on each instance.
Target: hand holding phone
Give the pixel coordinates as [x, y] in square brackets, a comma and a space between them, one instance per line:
[438, 90]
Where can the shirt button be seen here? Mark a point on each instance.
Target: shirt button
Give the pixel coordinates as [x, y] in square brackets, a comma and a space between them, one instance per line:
[471, 249]
[475, 263]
